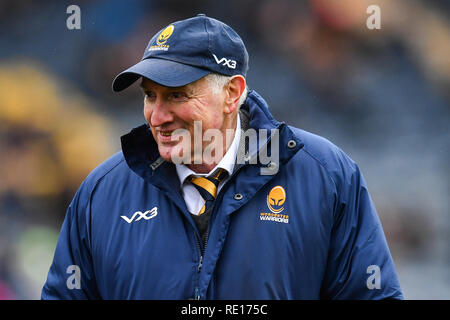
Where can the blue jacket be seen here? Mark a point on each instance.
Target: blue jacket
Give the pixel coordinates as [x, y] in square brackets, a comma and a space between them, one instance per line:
[310, 231]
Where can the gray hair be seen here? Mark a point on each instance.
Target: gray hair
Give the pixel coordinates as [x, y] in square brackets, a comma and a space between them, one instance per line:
[218, 81]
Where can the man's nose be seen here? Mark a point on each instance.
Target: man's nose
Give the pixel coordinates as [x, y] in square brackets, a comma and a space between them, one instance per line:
[161, 114]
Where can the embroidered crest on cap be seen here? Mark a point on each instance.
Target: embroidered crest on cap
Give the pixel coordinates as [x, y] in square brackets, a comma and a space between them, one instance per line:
[162, 39]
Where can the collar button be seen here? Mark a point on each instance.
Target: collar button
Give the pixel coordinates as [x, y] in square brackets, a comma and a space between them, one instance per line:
[238, 196]
[291, 144]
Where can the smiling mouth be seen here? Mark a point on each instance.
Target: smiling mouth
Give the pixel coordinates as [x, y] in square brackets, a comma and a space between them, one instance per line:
[166, 136]
[171, 136]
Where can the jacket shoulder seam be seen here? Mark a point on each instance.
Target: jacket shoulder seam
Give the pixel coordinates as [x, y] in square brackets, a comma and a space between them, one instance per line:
[322, 165]
[97, 181]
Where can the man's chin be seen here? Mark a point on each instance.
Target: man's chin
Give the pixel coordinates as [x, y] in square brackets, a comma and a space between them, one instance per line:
[173, 154]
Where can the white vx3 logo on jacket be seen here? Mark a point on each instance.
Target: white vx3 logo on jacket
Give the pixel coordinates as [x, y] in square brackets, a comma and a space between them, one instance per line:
[147, 215]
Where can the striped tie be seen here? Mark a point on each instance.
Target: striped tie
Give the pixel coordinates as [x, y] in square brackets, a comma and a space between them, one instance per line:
[207, 187]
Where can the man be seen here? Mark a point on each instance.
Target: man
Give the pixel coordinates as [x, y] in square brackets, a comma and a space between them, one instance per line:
[195, 207]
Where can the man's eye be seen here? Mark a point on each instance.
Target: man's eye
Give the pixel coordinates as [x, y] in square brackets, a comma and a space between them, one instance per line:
[148, 94]
[179, 96]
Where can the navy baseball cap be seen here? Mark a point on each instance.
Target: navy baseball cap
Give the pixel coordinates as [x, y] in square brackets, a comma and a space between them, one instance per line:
[186, 51]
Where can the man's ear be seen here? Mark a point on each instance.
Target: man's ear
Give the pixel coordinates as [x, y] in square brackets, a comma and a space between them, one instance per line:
[234, 90]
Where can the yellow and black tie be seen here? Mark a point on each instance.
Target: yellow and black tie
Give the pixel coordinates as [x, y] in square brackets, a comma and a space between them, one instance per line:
[207, 187]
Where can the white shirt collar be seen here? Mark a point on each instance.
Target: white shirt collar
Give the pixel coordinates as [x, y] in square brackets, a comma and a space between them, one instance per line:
[227, 162]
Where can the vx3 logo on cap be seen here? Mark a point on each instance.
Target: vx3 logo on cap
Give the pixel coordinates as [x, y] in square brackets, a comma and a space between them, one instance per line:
[153, 213]
[225, 62]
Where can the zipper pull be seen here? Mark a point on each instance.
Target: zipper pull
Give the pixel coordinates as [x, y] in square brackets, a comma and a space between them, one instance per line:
[200, 264]
[197, 294]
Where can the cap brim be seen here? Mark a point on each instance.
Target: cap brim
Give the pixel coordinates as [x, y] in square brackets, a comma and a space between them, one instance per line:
[164, 72]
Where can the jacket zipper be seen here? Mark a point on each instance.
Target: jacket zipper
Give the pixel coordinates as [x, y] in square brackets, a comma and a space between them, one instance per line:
[199, 267]
[201, 251]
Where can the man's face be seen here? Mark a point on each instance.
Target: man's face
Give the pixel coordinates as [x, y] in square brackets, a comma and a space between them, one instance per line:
[168, 109]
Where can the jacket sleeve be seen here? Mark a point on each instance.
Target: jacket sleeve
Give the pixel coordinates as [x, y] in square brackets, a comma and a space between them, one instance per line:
[359, 264]
[71, 273]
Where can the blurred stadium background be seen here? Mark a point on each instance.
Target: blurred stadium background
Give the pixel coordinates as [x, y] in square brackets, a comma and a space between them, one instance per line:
[383, 96]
